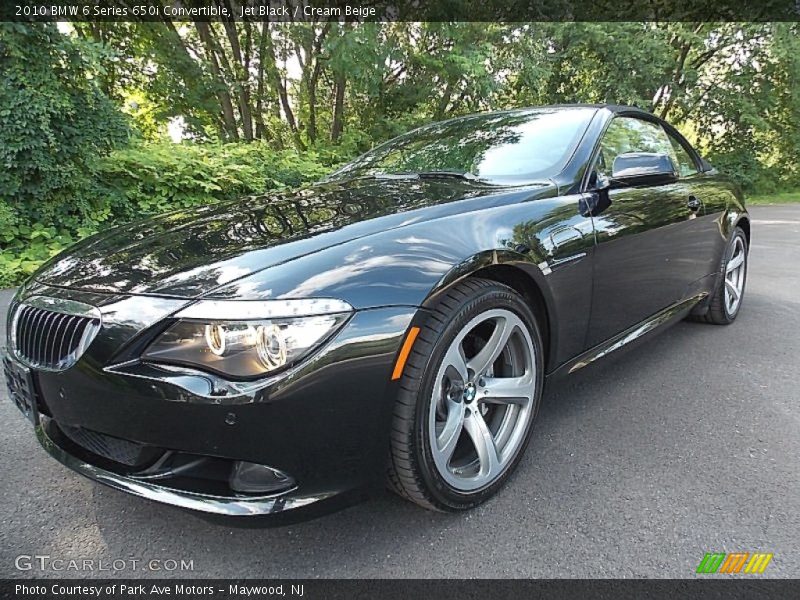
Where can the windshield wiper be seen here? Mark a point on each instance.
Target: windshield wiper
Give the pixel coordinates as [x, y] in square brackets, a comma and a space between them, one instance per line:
[431, 175]
[426, 175]
[452, 174]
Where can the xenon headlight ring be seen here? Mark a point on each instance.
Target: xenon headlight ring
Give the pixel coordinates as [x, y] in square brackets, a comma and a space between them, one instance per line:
[245, 340]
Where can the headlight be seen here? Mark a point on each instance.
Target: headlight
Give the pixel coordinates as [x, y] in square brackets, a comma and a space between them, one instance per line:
[232, 341]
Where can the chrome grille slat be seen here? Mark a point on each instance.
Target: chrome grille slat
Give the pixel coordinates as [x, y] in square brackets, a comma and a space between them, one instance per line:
[52, 356]
[29, 316]
[47, 346]
[63, 345]
[75, 337]
[34, 330]
[58, 334]
[23, 319]
[38, 332]
[47, 335]
[45, 331]
[36, 317]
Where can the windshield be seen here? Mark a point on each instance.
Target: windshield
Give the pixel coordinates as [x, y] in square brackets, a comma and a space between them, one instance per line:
[503, 148]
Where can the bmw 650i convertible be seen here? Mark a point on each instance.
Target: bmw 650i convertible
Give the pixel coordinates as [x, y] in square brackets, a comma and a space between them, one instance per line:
[394, 323]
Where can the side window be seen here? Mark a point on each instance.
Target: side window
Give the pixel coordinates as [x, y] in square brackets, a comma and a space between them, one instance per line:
[628, 134]
[686, 165]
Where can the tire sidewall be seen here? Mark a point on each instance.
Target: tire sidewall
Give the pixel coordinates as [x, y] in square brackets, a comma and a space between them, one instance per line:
[496, 297]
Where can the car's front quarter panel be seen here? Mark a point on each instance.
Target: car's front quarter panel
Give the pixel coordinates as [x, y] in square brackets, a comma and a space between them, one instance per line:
[399, 265]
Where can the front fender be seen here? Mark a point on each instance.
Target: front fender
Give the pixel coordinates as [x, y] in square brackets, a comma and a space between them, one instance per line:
[403, 266]
[527, 262]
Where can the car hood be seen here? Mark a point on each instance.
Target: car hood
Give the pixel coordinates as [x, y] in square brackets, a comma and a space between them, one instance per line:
[189, 253]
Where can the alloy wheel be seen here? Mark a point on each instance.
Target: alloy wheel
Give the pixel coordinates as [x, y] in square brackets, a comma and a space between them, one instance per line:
[735, 276]
[483, 397]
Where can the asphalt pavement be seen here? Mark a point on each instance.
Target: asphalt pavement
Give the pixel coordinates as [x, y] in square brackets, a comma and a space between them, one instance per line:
[639, 466]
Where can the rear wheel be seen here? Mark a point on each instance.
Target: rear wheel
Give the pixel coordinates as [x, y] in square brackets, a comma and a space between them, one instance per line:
[468, 398]
[727, 300]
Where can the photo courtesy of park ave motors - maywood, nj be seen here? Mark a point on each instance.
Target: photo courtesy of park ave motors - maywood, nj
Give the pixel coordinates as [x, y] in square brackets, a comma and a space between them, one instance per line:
[325, 290]
[164, 589]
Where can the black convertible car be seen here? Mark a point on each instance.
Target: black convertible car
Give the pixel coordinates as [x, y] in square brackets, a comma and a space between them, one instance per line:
[394, 322]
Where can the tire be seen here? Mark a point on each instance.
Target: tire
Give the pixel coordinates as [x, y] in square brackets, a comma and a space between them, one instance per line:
[434, 461]
[721, 311]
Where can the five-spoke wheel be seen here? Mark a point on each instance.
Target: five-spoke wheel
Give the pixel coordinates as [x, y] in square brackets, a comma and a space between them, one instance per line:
[735, 272]
[482, 398]
[726, 301]
[469, 397]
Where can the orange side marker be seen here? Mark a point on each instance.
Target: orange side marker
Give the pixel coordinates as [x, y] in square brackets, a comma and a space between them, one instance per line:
[404, 352]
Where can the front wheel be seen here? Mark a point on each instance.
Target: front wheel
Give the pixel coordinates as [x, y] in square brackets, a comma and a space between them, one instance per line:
[468, 398]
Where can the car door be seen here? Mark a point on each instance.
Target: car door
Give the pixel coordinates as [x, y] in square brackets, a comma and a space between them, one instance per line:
[643, 260]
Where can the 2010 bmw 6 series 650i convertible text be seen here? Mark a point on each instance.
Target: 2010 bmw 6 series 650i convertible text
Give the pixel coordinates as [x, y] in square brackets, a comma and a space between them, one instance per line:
[279, 354]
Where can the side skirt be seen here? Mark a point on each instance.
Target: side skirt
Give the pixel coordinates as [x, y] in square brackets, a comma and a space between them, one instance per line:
[660, 320]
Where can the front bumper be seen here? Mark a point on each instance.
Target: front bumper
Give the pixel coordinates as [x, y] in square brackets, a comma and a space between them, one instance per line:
[230, 506]
[326, 423]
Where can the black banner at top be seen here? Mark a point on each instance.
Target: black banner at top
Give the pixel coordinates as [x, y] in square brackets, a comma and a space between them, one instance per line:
[400, 10]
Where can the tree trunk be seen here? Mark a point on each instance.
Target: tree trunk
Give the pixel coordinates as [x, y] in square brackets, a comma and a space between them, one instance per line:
[241, 76]
[314, 57]
[443, 102]
[224, 98]
[258, 116]
[677, 79]
[311, 129]
[271, 68]
[337, 126]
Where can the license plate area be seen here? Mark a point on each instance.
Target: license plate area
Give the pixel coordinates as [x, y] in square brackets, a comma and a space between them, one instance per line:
[20, 387]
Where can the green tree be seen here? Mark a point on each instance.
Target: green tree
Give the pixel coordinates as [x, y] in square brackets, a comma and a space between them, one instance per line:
[54, 119]
[55, 123]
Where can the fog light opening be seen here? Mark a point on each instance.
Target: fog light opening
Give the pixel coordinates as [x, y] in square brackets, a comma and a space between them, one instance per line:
[252, 478]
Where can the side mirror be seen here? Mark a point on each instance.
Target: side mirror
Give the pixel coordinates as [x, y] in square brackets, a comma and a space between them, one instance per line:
[598, 199]
[643, 168]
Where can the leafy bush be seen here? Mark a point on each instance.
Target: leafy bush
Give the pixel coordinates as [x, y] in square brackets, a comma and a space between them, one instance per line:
[154, 178]
[55, 123]
[147, 179]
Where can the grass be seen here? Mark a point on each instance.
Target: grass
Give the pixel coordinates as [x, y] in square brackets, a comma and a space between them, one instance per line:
[782, 198]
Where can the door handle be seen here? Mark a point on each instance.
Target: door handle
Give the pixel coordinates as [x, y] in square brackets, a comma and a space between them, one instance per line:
[694, 203]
